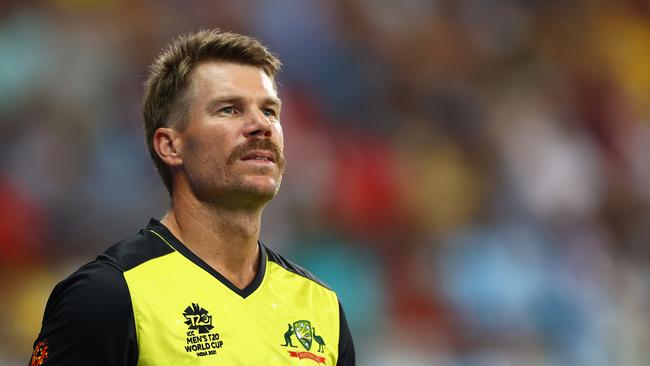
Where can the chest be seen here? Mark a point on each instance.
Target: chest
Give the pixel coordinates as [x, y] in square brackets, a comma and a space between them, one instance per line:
[185, 316]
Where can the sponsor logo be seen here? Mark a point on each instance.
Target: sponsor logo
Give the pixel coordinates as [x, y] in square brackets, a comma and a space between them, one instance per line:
[306, 335]
[200, 338]
[39, 356]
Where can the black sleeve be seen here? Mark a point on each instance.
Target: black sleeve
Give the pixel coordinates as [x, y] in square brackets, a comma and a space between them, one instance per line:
[346, 347]
[88, 321]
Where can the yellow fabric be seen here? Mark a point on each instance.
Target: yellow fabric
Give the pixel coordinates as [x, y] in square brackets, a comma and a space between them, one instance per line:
[246, 331]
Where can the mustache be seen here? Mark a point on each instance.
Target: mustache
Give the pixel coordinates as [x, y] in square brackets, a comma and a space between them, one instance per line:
[257, 144]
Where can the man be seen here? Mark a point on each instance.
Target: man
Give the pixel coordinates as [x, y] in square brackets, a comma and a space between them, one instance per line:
[197, 287]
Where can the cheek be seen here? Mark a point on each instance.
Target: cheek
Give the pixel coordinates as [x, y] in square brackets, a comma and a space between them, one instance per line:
[280, 135]
[204, 149]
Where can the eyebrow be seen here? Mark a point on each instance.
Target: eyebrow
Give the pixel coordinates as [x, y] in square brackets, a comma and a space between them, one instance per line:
[267, 101]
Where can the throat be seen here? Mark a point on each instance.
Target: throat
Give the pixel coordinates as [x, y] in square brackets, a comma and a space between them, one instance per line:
[240, 272]
[225, 241]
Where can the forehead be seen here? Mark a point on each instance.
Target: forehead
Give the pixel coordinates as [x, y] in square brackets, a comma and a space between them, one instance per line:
[212, 79]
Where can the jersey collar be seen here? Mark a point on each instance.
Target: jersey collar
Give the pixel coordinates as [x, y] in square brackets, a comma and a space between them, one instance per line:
[157, 227]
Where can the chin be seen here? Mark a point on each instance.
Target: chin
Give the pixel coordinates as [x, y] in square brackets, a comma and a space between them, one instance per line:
[262, 192]
[253, 192]
[252, 197]
[263, 185]
[246, 192]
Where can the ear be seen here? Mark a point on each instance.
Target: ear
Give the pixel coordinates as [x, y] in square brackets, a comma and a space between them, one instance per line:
[167, 143]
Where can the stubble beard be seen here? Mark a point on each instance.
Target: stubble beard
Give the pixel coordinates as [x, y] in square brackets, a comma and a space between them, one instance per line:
[229, 189]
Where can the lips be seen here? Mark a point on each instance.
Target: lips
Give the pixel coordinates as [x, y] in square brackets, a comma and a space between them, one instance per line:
[261, 155]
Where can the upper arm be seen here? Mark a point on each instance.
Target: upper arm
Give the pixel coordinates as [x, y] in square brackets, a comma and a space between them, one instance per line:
[89, 320]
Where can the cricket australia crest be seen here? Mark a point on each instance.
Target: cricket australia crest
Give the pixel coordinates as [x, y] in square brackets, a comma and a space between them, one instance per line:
[302, 330]
[305, 333]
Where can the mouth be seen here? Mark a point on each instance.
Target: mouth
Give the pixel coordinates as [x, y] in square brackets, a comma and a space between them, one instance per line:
[263, 156]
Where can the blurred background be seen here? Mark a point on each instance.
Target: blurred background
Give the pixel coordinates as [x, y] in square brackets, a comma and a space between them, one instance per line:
[471, 176]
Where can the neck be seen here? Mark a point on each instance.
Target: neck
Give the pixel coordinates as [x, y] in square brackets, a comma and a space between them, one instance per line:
[225, 238]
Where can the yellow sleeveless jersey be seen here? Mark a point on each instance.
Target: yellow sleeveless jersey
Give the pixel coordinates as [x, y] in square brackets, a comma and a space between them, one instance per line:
[149, 300]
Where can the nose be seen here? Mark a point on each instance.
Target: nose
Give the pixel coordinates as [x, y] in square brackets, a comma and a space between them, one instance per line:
[258, 125]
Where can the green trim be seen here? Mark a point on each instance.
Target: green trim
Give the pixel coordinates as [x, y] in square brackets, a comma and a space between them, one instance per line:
[163, 239]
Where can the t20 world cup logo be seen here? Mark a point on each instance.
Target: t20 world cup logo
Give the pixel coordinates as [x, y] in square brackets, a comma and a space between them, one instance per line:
[198, 319]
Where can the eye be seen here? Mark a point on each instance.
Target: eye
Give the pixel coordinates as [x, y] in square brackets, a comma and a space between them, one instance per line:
[227, 110]
[270, 112]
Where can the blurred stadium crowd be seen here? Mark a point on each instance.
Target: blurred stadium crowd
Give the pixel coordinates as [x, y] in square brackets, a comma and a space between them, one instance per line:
[472, 176]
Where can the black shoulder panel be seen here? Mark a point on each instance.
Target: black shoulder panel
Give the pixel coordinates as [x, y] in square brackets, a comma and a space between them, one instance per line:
[292, 267]
[133, 251]
[346, 347]
[89, 320]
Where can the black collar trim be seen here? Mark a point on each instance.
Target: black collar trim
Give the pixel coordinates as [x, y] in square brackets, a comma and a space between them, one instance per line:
[157, 228]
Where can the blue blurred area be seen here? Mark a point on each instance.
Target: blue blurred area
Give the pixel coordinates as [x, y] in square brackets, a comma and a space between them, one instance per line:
[472, 177]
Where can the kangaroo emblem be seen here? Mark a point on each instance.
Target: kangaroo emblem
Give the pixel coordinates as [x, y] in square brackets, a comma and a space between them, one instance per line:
[287, 337]
[318, 340]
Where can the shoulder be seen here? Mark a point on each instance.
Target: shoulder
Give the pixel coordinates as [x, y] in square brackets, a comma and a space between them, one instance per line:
[346, 355]
[135, 250]
[97, 291]
[103, 277]
[95, 294]
[291, 266]
[89, 315]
